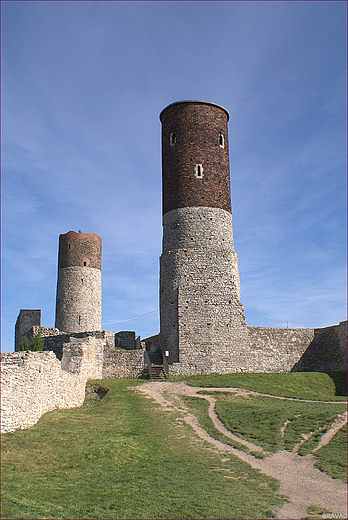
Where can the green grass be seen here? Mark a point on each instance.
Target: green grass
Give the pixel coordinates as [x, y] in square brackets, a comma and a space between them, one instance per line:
[316, 512]
[122, 458]
[199, 407]
[301, 385]
[333, 456]
[260, 419]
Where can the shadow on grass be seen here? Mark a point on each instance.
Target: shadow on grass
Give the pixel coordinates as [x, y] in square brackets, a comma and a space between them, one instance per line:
[340, 381]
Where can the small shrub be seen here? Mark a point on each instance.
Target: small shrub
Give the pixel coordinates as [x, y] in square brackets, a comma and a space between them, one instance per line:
[36, 345]
[24, 344]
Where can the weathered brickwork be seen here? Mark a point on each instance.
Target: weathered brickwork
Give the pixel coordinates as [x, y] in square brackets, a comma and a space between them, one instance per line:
[80, 250]
[195, 133]
[79, 304]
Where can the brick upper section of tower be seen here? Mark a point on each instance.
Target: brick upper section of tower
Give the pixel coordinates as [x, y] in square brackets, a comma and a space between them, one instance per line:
[79, 250]
[195, 162]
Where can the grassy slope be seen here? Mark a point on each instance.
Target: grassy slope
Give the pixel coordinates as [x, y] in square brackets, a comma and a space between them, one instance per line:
[259, 419]
[302, 385]
[123, 458]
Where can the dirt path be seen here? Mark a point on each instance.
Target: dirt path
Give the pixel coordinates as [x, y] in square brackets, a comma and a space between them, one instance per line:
[304, 484]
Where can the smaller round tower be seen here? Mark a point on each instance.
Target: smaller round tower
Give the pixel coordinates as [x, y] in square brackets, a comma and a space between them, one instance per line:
[78, 304]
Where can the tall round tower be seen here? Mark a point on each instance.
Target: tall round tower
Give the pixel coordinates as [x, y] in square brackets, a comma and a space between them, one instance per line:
[200, 309]
[78, 305]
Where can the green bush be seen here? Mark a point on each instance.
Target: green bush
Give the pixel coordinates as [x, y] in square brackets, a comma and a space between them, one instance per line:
[24, 344]
[36, 345]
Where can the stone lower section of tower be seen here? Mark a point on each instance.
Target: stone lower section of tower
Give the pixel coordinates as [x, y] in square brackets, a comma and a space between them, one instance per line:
[201, 311]
[79, 299]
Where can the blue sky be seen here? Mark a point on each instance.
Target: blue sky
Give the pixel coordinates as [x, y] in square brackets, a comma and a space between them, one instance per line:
[83, 84]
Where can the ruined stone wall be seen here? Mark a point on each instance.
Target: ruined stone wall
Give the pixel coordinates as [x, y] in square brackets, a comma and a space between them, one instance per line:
[125, 339]
[327, 352]
[33, 383]
[54, 340]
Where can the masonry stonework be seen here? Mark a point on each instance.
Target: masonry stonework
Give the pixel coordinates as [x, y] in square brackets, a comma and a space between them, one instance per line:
[33, 383]
[78, 304]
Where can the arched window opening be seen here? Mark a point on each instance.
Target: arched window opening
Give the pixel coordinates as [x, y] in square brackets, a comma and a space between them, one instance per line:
[221, 141]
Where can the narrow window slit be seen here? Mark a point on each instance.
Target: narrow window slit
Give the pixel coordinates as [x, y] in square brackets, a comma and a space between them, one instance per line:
[172, 139]
[199, 171]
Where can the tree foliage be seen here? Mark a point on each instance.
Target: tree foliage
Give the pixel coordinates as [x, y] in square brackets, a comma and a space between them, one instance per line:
[37, 343]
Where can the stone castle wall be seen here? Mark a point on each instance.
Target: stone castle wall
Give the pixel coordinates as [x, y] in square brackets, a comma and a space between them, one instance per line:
[265, 349]
[26, 319]
[33, 383]
[122, 363]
